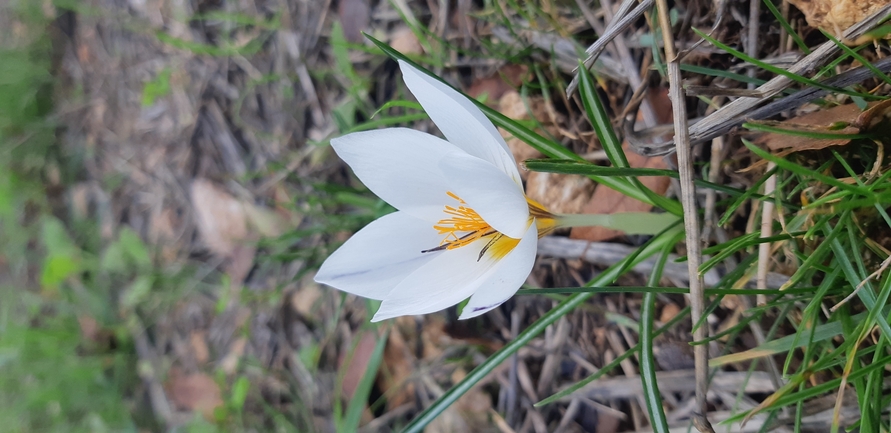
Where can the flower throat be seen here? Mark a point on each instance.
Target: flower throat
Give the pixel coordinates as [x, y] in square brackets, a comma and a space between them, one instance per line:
[464, 226]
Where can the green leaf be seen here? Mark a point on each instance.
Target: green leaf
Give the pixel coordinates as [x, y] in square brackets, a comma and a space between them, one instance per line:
[780, 71]
[613, 147]
[137, 291]
[239, 393]
[134, 248]
[157, 88]
[56, 268]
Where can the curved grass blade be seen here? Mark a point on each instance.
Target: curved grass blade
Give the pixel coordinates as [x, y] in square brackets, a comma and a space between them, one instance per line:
[853, 53]
[780, 71]
[817, 135]
[566, 166]
[611, 144]
[682, 315]
[797, 169]
[543, 145]
[649, 383]
[664, 291]
[608, 276]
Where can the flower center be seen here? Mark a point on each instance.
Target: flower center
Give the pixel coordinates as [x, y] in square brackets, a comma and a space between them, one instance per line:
[462, 219]
[464, 226]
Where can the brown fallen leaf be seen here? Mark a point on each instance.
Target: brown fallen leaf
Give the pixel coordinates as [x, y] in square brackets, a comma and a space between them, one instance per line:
[198, 343]
[511, 105]
[505, 80]
[840, 119]
[229, 226]
[220, 217]
[404, 40]
[559, 193]
[825, 121]
[835, 16]
[195, 392]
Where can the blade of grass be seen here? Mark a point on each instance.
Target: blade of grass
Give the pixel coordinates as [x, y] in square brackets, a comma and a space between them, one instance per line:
[567, 166]
[820, 333]
[766, 127]
[802, 171]
[649, 383]
[853, 53]
[664, 291]
[611, 144]
[543, 145]
[608, 276]
[614, 363]
[792, 33]
[572, 166]
[360, 397]
[780, 71]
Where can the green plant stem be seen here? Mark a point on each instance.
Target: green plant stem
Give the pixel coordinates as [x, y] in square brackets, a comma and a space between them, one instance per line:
[632, 223]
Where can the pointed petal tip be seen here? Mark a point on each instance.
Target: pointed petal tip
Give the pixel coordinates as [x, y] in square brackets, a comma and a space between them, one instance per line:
[460, 120]
[380, 316]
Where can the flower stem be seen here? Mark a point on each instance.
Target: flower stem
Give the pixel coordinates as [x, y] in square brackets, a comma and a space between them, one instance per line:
[632, 223]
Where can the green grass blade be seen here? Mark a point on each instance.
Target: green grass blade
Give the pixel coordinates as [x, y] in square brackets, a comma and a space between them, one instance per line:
[802, 171]
[820, 333]
[611, 145]
[664, 291]
[650, 384]
[567, 166]
[817, 135]
[542, 144]
[780, 19]
[853, 53]
[572, 166]
[608, 276]
[780, 71]
[360, 397]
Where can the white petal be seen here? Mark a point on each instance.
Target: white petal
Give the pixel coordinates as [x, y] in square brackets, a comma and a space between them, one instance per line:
[444, 281]
[380, 256]
[489, 192]
[462, 122]
[401, 166]
[506, 278]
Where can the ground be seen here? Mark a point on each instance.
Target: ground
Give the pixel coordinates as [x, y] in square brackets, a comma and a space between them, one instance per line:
[170, 191]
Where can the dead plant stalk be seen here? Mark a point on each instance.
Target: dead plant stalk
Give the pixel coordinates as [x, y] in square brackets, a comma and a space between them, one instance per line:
[691, 221]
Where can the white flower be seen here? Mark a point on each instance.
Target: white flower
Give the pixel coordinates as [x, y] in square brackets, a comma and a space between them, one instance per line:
[463, 226]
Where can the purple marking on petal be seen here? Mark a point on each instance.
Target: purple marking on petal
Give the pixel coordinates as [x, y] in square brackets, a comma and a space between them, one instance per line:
[487, 307]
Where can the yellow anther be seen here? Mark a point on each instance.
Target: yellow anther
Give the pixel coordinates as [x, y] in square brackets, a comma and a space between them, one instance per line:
[464, 226]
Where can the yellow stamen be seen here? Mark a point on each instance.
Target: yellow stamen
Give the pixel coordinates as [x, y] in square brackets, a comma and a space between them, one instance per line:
[465, 226]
